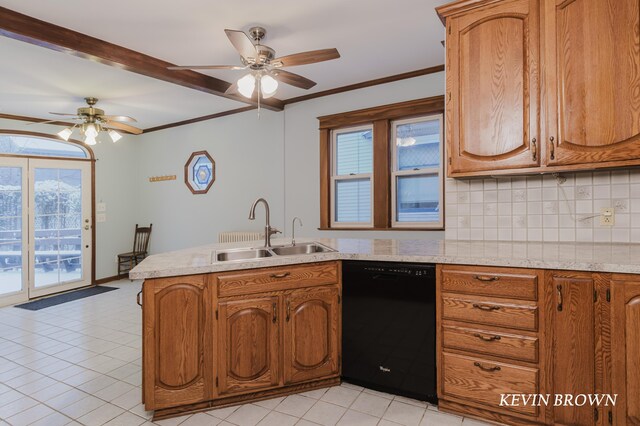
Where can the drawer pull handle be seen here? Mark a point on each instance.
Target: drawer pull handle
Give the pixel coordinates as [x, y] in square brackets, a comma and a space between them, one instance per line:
[485, 307]
[485, 278]
[288, 310]
[559, 288]
[282, 275]
[487, 339]
[483, 368]
[275, 312]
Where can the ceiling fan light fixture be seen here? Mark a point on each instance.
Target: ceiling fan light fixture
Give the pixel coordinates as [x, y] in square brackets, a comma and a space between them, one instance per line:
[268, 86]
[246, 85]
[115, 136]
[90, 140]
[65, 133]
[91, 130]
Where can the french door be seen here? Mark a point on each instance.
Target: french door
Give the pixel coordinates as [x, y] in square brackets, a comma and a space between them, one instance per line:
[45, 227]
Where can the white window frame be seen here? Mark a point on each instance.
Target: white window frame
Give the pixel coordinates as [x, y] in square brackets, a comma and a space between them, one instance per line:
[335, 178]
[427, 171]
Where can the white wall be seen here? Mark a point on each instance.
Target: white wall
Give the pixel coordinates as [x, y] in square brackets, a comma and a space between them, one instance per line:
[248, 152]
[302, 154]
[115, 185]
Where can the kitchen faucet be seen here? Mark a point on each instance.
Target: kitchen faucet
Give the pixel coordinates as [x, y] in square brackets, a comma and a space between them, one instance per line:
[293, 229]
[268, 230]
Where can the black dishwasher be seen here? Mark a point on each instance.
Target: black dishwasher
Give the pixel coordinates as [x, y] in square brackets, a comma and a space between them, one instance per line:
[389, 327]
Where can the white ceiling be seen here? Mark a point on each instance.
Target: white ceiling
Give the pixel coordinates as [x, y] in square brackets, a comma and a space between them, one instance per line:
[376, 38]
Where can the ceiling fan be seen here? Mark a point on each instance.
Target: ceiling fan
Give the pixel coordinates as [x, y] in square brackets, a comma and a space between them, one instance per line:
[93, 120]
[265, 68]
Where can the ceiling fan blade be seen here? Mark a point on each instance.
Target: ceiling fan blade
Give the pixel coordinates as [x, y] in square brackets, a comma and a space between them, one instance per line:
[122, 126]
[64, 113]
[309, 57]
[242, 43]
[232, 89]
[43, 122]
[206, 67]
[294, 79]
[118, 118]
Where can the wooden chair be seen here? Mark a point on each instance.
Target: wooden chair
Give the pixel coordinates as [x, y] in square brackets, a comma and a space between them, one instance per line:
[126, 261]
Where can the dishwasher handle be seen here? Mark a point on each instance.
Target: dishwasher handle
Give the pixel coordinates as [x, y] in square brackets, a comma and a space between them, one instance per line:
[385, 277]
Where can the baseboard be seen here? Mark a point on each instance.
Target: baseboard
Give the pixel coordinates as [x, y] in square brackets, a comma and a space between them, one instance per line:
[112, 278]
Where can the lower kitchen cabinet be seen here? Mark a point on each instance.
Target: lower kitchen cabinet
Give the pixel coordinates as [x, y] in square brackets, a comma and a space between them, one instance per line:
[248, 344]
[176, 341]
[625, 343]
[219, 339]
[573, 343]
[311, 334]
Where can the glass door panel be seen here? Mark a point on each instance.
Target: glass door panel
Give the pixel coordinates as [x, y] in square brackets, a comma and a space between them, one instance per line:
[60, 231]
[13, 230]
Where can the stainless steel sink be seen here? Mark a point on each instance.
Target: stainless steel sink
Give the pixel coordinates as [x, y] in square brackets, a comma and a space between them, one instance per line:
[247, 253]
[304, 248]
[242, 254]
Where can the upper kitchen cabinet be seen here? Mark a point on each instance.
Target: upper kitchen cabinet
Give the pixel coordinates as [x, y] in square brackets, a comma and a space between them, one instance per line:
[542, 85]
[592, 56]
[492, 102]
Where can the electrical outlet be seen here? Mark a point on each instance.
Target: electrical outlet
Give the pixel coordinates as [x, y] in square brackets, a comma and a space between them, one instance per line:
[607, 217]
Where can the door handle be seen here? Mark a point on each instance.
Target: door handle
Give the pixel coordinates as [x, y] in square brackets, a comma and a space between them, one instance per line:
[559, 289]
[485, 307]
[288, 310]
[552, 147]
[138, 301]
[275, 312]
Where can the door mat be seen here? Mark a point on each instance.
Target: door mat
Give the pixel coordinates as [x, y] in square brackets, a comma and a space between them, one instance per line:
[36, 305]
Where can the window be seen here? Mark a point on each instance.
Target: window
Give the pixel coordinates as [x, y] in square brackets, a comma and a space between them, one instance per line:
[381, 168]
[16, 144]
[416, 186]
[351, 180]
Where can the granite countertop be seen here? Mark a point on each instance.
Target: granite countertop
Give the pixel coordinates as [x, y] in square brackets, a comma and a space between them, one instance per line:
[593, 257]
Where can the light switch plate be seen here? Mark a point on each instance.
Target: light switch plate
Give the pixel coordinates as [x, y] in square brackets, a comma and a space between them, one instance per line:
[101, 207]
[102, 217]
[607, 217]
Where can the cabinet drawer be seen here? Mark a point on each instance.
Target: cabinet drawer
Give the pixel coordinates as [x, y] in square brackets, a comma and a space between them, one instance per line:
[274, 279]
[523, 317]
[514, 284]
[483, 381]
[523, 348]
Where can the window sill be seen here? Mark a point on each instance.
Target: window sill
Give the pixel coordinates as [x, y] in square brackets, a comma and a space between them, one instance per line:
[381, 229]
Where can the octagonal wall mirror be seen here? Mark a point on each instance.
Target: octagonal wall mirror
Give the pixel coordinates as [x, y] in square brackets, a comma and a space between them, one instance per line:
[199, 172]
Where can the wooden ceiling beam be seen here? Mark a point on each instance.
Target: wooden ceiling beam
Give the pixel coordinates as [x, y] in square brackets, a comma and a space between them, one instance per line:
[25, 28]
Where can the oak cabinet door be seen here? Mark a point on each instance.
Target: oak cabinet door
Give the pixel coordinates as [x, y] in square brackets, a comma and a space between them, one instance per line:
[573, 344]
[625, 354]
[592, 58]
[493, 90]
[175, 355]
[248, 344]
[311, 334]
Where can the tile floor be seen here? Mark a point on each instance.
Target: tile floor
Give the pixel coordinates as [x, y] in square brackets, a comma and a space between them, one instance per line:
[79, 363]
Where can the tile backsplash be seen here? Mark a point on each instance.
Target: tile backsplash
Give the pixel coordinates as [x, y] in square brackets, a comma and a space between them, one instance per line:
[544, 208]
